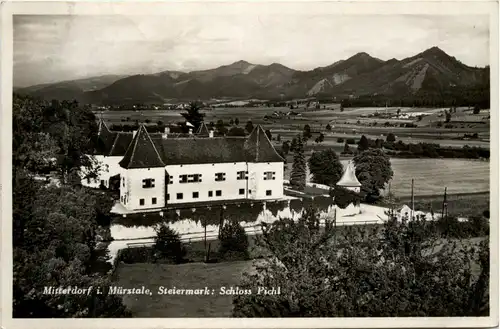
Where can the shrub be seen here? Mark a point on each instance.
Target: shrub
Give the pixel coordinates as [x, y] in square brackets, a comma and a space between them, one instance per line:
[168, 245]
[233, 241]
[351, 141]
[340, 140]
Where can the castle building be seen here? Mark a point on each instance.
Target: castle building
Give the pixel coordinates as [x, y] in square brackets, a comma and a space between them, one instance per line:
[158, 169]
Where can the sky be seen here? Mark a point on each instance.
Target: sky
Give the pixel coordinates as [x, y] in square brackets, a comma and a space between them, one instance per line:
[57, 48]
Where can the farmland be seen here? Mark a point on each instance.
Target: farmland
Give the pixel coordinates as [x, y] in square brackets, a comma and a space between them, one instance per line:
[431, 175]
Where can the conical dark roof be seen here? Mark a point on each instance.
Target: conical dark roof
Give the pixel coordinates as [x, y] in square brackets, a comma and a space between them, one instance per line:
[105, 138]
[260, 148]
[141, 152]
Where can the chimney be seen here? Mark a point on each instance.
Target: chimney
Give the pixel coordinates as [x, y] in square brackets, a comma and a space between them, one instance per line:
[190, 131]
[211, 134]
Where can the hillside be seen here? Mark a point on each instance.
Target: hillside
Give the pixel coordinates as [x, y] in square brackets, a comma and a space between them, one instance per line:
[431, 73]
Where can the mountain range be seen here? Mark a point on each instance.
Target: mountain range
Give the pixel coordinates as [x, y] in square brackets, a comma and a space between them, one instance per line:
[432, 71]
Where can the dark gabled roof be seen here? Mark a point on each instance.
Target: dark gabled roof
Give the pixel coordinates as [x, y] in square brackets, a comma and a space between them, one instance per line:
[121, 143]
[203, 130]
[193, 150]
[141, 153]
[105, 139]
[260, 147]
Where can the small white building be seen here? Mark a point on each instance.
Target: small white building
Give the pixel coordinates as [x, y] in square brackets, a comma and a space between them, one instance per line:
[158, 169]
[350, 182]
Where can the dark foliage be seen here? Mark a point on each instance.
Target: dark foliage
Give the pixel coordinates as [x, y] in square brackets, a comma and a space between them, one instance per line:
[233, 240]
[325, 167]
[168, 245]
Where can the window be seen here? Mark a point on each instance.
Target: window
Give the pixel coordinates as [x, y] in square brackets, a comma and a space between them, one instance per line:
[153, 201]
[268, 192]
[196, 195]
[141, 202]
[249, 191]
[210, 193]
[168, 197]
[242, 175]
[183, 178]
[195, 178]
[123, 181]
[269, 175]
[179, 196]
[242, 191]
[218, 193]
[220, 176]
[121, 199]
[170, 179]
[148, 183]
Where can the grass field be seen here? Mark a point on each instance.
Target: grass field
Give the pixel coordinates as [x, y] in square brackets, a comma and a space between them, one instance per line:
[431, 176]
[184, 276]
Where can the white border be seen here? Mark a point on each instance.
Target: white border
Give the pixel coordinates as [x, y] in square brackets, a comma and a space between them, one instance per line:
[227, 8]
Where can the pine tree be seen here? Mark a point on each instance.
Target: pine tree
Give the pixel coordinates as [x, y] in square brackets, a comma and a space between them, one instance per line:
[193, 115]
[298, 175]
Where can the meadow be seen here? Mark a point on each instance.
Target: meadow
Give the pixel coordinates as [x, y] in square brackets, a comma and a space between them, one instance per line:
[431, 175]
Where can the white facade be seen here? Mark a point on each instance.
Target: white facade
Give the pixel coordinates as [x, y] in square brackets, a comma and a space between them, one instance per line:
[108, 167]
[143, 188]
[201, 183]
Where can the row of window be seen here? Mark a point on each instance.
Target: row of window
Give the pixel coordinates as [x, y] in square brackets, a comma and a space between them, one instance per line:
[196, 195]
[196, 178]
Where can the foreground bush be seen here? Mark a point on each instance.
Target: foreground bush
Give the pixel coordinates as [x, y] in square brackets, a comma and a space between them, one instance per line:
[233, 241]
[401, 271]
[168, 245]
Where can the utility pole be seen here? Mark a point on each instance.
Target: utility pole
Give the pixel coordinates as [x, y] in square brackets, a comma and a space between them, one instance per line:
[412, 200]
[444, 210]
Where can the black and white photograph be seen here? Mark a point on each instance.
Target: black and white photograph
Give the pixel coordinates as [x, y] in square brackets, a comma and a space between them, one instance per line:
[225, 160]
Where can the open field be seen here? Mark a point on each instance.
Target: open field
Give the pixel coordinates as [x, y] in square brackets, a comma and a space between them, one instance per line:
[344, 124]
[433, 175]
[460, 205]
[184, 276]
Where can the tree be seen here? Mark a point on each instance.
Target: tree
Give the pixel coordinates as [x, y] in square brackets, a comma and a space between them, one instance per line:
[220, 127]
[363, 144]
[231, 122]
[328, 127]
[249, 126]
[398, 112]
[193, 115]
[236, 131]
[278, 138]
[390, 138]
[268, 134]
[285, 147]
[293, 144]
[307, 132]
[320, 138]
[374, 171]
[476, 110]
[325, 167]
[233, 241]
[398, 270]
[347, 149]
[168, 245]
[448, 116]
[236, 121]
[298, 175]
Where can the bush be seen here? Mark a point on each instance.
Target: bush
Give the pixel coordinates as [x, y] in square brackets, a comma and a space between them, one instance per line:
[233, 241]
[168, 245]
[351, 141]
[136, 255]
[340, 140]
